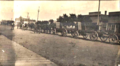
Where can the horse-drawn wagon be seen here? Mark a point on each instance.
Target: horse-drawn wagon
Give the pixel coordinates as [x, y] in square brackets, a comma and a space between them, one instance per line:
[110, 31]
[77, 28]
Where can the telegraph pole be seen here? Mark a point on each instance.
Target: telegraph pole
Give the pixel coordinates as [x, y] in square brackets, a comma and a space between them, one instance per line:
[98, 13]
[38, 14]
[12, 13]
[27, 14]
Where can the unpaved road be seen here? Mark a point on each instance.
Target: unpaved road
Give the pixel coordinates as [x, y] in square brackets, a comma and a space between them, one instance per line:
[66, 51]
[14, 54]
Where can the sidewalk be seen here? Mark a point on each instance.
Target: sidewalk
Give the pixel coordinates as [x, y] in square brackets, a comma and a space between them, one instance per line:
[13, 54]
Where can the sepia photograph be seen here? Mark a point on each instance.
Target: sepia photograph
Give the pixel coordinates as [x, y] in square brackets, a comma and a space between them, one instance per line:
[60, 33]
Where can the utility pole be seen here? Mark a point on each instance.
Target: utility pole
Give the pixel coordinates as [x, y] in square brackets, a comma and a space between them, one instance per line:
[98, 13]
[28, 16]
[38, 14]
[119, 4]
[12, 13]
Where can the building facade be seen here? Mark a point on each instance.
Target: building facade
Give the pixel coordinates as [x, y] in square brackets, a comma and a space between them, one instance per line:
[21, 20]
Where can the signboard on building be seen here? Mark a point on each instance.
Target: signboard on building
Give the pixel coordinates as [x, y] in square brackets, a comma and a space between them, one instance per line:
[94, 13]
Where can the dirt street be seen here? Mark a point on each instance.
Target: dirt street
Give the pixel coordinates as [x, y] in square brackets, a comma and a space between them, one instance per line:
[66, 51]
[14, 54]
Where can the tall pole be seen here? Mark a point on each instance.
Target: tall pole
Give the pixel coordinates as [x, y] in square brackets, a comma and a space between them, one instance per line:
[12, 13]
[119, 4]
[28, 16]
[38, 14]
[98, 13]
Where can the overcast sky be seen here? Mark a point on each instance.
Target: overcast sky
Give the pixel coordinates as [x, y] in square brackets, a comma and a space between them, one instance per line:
[52, 9]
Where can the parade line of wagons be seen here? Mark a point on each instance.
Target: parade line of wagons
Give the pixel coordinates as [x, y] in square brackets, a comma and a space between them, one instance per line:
[107, 30]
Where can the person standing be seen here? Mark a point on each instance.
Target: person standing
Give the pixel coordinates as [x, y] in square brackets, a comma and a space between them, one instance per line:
[35, 27]
[17, 26]
[20, 25]
[39, 28]
[12, 26]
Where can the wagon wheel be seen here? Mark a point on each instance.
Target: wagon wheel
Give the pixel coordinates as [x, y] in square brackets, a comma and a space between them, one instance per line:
[103, 38]
[75, 34]
[113, 38]
[85, 36]
[94, 36]
[72, 34]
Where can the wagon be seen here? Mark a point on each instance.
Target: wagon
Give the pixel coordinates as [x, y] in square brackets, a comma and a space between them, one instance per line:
[45, 27]
[110, 32]
[87, 30]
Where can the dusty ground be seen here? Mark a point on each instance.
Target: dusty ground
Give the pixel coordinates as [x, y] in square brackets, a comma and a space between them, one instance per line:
[14, 54]
[66, 51]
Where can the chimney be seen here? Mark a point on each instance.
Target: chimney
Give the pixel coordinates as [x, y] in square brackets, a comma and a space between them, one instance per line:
[105, 12]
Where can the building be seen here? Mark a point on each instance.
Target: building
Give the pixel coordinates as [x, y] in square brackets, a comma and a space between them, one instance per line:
[32, 21]
[24, 20]
[114, 17]
[93, 17]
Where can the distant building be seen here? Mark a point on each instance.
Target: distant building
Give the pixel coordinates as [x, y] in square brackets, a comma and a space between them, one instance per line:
[114, 17]
[93, 17]
[32, 21]
[94, 13]
[17, 20]
[24, 20]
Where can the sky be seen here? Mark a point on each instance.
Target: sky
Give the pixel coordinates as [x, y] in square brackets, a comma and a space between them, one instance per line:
[53, 9]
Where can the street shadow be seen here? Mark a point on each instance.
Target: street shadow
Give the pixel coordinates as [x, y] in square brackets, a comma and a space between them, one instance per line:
[93, 40]
[9, 54]
[86, 39]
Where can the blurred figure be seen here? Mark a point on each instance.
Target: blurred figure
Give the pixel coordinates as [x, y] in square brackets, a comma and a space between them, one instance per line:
[35, 27]
[26, 26]
[20, 25]
[12, 26]
[39, 28]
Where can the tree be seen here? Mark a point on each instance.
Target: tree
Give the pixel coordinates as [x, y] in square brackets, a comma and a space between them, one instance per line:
[51, 20]
[72, 18]
[60, 19]
[39, 22]
[65, 18]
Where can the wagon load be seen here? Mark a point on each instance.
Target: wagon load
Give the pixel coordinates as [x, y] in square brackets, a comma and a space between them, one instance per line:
[67, 25]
